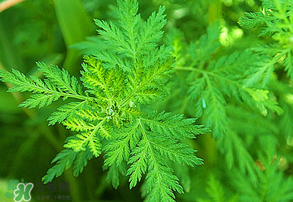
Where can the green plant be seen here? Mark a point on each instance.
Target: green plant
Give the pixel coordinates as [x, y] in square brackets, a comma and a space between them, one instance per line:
[127, 107]
[275, 21]
[243, 95]
[112, 114]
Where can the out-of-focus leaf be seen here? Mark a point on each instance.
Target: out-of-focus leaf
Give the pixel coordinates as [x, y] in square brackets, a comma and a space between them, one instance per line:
[7, 102]
[75, 24]
[9, 56]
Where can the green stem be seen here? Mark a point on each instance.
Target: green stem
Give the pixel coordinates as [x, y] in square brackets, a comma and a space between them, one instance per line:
[209, 144]
[214, 10]
[205, 73]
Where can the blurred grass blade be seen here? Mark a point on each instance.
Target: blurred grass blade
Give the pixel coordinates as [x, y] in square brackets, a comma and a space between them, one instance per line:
[75, 24]
[9, 56]
[8, 3]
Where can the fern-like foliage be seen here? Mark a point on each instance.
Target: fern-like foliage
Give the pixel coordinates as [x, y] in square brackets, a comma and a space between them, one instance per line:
[212, 99]
[108, 113]
[216, 192]
[275, 21]
[218, 87]
[273, 185]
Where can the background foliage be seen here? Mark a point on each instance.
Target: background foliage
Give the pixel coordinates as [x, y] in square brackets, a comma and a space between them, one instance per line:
[233, 71]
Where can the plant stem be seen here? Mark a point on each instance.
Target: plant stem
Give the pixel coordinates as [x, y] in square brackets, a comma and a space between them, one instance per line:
[214, 10]
[9, 3]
